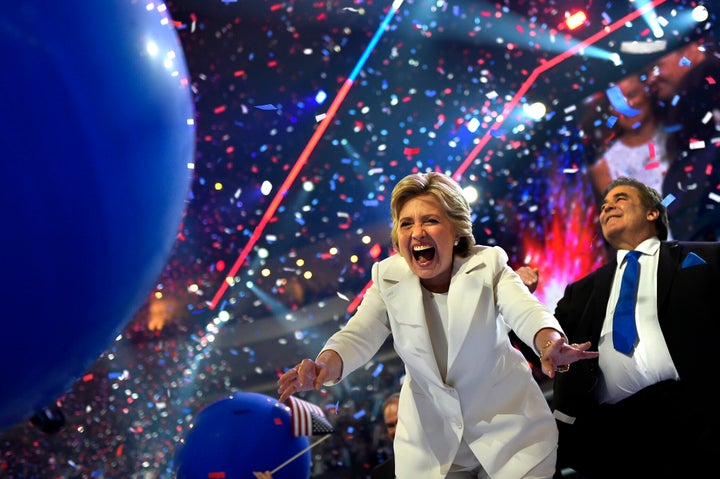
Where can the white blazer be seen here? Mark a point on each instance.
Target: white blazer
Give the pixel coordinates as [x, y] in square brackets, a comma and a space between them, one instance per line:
[489, 396]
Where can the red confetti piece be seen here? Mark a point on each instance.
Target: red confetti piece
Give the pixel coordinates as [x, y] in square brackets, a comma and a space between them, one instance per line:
[411, 151]
[216, 475]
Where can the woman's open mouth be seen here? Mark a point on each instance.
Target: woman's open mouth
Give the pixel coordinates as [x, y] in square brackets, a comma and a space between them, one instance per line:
[423, 253]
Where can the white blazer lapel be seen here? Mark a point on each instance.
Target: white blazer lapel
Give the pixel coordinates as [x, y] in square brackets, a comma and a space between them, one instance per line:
[403, 295]
[463, 305]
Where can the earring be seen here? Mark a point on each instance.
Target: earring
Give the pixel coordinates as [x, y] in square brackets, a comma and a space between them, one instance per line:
[455, 243]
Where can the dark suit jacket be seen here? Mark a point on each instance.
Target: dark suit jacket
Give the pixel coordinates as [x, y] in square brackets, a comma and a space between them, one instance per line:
[689, 315]
[385, 470]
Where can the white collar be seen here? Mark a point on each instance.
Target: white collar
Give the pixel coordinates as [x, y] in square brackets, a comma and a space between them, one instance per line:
[649, 247]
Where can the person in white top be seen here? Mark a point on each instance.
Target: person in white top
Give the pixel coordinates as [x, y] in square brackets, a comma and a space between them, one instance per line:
[638, 143]
[646, 412]
[469, 406]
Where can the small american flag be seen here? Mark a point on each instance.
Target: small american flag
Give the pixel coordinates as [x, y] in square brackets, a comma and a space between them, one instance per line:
[308, 419]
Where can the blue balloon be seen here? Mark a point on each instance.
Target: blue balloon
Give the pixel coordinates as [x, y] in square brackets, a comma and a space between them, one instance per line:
[97, 138]
[240, 434]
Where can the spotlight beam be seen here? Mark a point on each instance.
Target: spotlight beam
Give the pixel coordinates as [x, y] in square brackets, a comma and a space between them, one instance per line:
[302, 159]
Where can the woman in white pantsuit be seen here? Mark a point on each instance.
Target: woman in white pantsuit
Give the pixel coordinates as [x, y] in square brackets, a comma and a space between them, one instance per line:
[469, 406]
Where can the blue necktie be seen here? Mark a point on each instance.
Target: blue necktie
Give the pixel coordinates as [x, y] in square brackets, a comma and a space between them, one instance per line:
[624, 330]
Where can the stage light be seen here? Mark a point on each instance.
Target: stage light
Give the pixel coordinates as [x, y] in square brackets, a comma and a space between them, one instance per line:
[700, 13]
[535, 111]
[575, 20]
[471, 194]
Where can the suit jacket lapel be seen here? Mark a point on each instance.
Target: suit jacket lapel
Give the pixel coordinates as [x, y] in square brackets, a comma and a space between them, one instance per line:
[405, 308]
[461, 310]
[597, 306]
[667, 265]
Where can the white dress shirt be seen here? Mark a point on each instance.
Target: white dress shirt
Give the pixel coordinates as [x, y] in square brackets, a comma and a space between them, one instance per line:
[650, 361]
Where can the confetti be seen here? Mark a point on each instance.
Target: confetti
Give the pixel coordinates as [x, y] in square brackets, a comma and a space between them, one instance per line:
[433, 94]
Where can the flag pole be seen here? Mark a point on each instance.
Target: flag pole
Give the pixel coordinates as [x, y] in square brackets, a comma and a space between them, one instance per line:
[300, 453]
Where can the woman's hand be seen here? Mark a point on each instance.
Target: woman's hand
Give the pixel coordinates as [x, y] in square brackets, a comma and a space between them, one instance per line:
[309, 374]
[556, 356]
[302, 377]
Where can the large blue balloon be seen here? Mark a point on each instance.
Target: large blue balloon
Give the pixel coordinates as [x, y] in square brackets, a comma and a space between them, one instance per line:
[240, 434]
[96, 140]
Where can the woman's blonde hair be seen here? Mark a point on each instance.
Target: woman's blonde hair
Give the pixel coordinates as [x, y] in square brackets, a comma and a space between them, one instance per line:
[448, 193]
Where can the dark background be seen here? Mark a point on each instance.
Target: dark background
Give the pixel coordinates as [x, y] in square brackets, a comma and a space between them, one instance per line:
[257, 68]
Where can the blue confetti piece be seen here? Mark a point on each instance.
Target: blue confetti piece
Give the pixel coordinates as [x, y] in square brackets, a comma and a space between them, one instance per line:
[668, 199]
[619, 102]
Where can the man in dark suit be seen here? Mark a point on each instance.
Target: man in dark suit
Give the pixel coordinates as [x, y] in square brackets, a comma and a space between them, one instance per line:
[386, 470]
[647, 412]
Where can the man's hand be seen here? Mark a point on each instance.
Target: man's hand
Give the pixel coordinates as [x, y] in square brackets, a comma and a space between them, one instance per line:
[530, 277]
